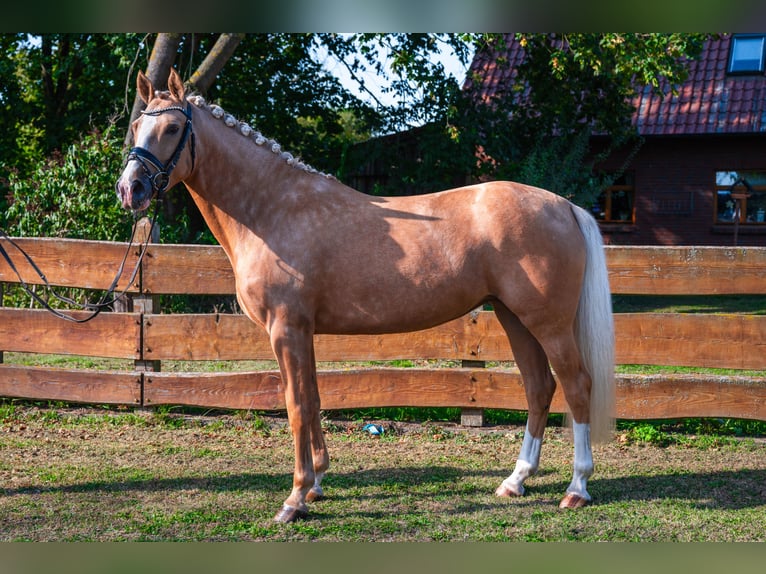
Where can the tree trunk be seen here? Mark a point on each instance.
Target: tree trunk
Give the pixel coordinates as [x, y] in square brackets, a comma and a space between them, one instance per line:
[161, 59]
[219, 54]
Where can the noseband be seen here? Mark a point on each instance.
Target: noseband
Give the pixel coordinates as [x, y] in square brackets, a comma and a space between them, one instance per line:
[161, 177]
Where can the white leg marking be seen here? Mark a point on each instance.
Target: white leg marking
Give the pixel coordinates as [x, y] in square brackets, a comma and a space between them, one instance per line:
[318, 484]
[526, 466]
[583, 461]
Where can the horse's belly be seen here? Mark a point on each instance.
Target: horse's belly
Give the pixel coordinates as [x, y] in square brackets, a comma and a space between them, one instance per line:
[395, 311]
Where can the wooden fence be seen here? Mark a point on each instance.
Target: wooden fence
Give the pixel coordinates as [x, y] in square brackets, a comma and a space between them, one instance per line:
[147, 338]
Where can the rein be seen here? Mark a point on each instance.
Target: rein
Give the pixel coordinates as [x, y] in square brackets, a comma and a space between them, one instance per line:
[161, 177]
[94, 308]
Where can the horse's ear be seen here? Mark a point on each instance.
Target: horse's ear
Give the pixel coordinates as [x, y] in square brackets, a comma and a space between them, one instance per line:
[176, 85]
[145, 87]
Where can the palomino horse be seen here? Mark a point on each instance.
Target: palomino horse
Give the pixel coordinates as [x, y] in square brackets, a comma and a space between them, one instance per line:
[310, 255]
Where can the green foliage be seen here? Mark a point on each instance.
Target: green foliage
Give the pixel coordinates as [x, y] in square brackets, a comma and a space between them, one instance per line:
[163, 416]
[56, 180]
[700, 433]
[589, 78]
[571, 86]
[561, 166]
[646, 433]
[277, 84]
[54, 87]
[70, 194]
[8, 412]
[727, 427]
[404, 68]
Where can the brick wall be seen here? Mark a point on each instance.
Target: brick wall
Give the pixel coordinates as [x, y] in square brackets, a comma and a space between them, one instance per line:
[675, 191]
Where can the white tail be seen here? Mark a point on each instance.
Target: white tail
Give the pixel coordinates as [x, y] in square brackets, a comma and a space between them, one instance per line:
[594, 329]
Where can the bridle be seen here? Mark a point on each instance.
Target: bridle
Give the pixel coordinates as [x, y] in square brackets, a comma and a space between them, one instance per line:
[160, 180]
[161, 176]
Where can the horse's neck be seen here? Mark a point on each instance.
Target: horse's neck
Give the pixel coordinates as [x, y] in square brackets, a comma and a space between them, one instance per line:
[233, 185]
[219, 223]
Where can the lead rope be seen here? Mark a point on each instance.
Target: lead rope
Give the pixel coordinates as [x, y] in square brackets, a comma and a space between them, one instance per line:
[95, 308]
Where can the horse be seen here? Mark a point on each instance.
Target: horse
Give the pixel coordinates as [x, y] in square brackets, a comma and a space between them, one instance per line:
[312, 255]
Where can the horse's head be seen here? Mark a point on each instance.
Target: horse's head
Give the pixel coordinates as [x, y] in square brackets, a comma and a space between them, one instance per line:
[160, 136]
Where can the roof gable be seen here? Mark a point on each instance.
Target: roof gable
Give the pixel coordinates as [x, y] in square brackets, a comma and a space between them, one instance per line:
[709, 102]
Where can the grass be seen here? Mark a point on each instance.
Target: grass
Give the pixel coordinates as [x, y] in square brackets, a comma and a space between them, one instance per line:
[71, 474]
[745, 304]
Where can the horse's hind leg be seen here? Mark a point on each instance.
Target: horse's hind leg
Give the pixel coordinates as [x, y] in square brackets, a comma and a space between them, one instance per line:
[539, 386]
[532, 356]
[576, 383]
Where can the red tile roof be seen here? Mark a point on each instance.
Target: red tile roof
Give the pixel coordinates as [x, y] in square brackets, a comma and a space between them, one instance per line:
[709, 102]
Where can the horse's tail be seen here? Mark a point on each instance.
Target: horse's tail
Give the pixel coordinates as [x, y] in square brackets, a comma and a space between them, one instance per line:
[594, 329]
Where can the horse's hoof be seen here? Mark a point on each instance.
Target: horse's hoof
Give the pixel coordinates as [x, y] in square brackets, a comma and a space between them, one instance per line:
[508, 492]
[572, 500]
[290, 514]
[314, 495]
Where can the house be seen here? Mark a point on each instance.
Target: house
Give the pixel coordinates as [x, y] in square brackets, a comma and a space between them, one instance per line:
[700, 176]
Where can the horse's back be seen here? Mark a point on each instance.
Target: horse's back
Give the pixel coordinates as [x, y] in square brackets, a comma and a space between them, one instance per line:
[405, 263]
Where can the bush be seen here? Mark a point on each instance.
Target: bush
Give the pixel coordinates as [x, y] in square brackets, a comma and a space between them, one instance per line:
[70, 194]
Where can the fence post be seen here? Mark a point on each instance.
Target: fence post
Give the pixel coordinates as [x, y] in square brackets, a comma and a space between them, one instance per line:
[470, 417]
[143, 303]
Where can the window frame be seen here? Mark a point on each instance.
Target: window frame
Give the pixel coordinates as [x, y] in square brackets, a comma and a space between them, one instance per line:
[757, 188]
[748, 70]
[630, 187]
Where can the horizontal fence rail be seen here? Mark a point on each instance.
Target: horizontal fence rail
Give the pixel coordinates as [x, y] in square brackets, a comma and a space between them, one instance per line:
[71, 262]
[472, 343]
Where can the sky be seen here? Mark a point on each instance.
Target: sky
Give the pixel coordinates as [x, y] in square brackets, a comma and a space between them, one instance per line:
[451, 64]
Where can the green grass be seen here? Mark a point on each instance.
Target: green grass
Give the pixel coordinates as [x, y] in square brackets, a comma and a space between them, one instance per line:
[67, 477]
[746, 304]
[104, 473]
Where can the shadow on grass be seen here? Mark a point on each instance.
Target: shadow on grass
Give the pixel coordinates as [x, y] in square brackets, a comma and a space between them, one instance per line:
[732, 490]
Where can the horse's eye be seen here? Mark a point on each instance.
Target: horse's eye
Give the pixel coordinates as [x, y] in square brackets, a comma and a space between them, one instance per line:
[172, 129]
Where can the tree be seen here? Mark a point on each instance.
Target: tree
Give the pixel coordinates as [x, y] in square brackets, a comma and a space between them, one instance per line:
[10, 99]
[164, 53]
[570, 87]
[275, 83]
[56, 87]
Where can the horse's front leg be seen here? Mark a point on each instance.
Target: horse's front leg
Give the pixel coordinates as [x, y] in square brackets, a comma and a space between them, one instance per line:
[293, 347]
[318, 447]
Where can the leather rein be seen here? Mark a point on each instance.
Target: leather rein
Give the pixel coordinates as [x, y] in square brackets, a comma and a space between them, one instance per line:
[106, 301]
[159, 179]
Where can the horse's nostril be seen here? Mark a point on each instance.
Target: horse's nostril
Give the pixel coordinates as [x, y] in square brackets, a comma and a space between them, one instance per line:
[137, 188]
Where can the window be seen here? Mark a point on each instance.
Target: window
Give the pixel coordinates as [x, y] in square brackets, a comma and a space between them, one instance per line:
[746, 54]
[616, 203]
[747, 187]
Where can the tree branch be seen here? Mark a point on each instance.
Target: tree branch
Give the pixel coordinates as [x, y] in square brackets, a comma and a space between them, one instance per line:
[219, 54]
[161, 59]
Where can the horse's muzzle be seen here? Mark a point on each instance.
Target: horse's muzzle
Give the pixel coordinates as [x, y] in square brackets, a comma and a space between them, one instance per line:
[135, 194]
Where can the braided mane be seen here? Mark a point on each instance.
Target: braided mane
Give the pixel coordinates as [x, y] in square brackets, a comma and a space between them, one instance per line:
[246, 131]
